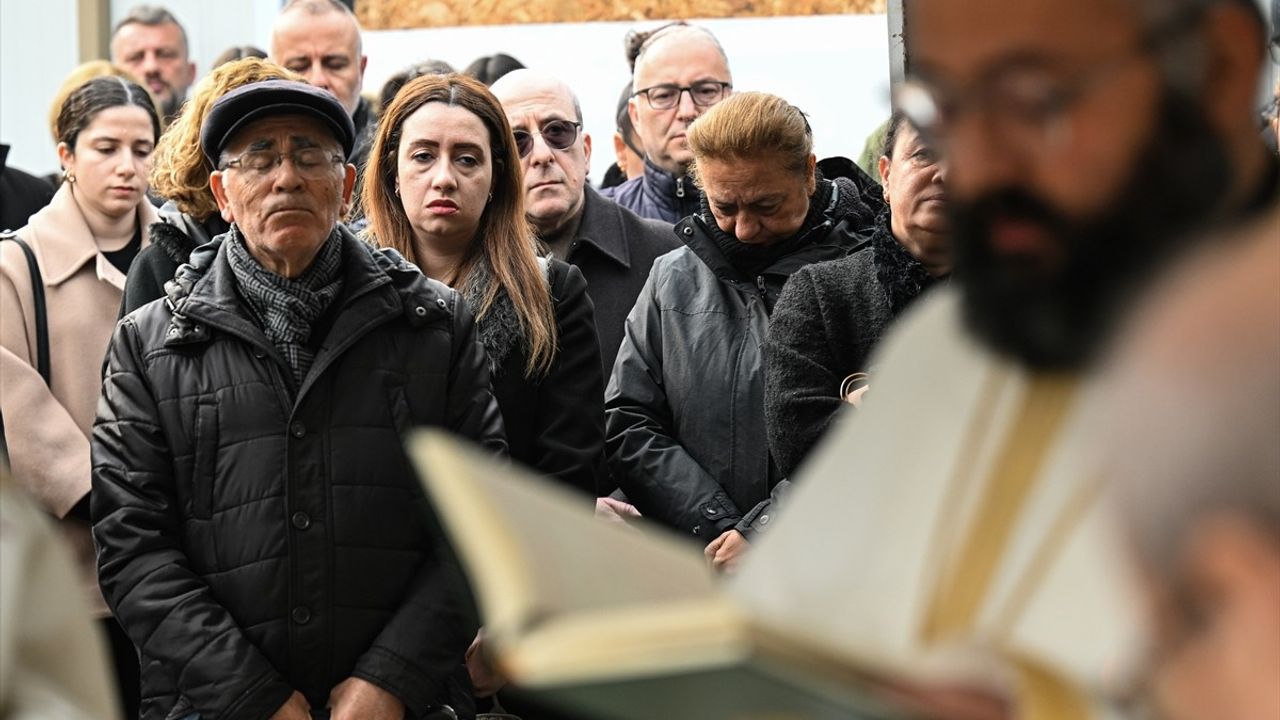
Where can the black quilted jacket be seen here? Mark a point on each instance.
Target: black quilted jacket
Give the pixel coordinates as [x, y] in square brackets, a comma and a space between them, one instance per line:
[253, 539]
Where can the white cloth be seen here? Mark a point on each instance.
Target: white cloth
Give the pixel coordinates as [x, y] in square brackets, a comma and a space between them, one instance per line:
[885, 503]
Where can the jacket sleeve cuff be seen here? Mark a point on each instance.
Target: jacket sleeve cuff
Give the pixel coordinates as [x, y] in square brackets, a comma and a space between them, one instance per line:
[262, 700]
[411, 685]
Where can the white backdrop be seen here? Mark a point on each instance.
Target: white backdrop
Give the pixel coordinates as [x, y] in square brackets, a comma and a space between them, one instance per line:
[835, 68]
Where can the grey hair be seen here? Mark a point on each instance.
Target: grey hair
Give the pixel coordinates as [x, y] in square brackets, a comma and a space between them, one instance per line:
[152, 16]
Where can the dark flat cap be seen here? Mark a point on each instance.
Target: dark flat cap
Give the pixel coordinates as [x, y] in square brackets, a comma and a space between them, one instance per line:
[269, 98]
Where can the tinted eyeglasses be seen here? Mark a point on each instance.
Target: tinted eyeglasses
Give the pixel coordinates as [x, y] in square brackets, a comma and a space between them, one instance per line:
[558, 134]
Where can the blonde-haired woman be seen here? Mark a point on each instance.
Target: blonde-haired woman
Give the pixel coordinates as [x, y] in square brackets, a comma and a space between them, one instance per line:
[180, 175]
[685, 405]
[443, 187]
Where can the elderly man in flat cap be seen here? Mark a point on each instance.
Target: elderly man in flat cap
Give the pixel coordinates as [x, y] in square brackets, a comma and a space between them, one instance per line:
[262, 538]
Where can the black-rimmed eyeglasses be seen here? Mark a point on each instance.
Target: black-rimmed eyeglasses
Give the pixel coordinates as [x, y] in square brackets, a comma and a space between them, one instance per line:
[703, 93]
[557, 134]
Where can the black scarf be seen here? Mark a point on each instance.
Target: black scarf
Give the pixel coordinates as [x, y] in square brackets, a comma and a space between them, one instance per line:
[751, 260]
[902, 276]
[285, 309]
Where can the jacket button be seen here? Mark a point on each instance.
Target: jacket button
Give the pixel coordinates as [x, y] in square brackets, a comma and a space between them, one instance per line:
[259, 354]
[420, 311]
[443, 305]
[301, 520]
[301, 615]
[297, 429]
[687, 231]
[764, 519]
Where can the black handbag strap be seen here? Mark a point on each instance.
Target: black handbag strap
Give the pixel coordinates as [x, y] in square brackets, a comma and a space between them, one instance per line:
[42, 314]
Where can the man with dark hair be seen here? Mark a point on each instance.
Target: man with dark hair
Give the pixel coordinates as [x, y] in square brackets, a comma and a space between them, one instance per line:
[150, 43]
[261, 536]
[1088, 142]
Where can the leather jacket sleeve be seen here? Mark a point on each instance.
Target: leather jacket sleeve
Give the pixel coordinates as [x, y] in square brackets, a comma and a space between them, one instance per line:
[651, 466]
[143, 568]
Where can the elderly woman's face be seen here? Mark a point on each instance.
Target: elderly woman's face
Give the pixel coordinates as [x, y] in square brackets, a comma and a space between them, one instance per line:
[757, 200]
[444, 175]
[913, 187]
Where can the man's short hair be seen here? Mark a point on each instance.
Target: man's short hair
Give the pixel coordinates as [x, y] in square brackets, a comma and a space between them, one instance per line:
[317, 7]
[152, 16]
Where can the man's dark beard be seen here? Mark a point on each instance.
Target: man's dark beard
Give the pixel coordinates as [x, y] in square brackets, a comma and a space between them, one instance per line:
[1056, 315]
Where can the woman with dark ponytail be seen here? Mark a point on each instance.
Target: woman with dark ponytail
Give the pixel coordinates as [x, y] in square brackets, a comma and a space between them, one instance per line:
[82, 245]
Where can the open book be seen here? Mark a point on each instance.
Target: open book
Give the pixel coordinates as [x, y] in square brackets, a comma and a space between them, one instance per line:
[614, 622]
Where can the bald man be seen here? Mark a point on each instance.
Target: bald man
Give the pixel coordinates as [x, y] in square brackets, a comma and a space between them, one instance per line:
[612, 246]
[680, 72]
[320, 40]
[1194, 424]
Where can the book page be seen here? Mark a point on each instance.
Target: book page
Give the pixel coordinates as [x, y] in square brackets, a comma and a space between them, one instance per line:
[534, 550]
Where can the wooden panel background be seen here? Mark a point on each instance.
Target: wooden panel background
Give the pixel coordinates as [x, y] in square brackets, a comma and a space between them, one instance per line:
[403, 14]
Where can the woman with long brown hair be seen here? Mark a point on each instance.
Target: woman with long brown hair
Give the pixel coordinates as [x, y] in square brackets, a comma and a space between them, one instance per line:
[443, 187]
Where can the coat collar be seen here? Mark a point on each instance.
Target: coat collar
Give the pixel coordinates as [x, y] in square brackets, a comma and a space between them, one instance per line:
[65, 242]
[662, 187]
[602, 227]
[376, 284]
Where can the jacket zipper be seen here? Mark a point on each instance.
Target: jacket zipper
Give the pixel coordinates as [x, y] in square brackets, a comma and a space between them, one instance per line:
[760, 286]
[680, 187]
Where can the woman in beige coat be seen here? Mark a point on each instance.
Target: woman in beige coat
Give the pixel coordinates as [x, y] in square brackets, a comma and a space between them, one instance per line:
[83, 243]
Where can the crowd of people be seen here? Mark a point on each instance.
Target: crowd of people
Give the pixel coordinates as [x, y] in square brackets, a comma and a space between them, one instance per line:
[221, 319]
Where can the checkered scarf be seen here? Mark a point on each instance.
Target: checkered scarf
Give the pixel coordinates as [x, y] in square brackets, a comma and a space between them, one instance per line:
[286, 309]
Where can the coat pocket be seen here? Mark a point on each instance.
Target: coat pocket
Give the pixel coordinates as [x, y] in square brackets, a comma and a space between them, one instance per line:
[204, 469]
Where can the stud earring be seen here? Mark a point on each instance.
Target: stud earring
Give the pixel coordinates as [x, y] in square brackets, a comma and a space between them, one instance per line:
[69, 176]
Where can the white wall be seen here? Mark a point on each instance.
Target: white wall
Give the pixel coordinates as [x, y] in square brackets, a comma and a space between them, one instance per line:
[835, 68]
[39, 45]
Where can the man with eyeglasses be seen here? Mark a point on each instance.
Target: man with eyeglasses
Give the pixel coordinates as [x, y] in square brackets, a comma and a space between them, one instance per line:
[612, 246]
[1088, 142]
[260, 534]
[680, 71]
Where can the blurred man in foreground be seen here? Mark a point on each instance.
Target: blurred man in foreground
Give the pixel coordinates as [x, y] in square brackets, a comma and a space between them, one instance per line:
[1088, 141]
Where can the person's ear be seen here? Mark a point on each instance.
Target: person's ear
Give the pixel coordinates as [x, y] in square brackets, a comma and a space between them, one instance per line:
[620, 150]
[66, 157]
[883, 165]
[364, 62]
[348, 187]
[633, 110]
[191, 73]
[220, 195]
[586, 147]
